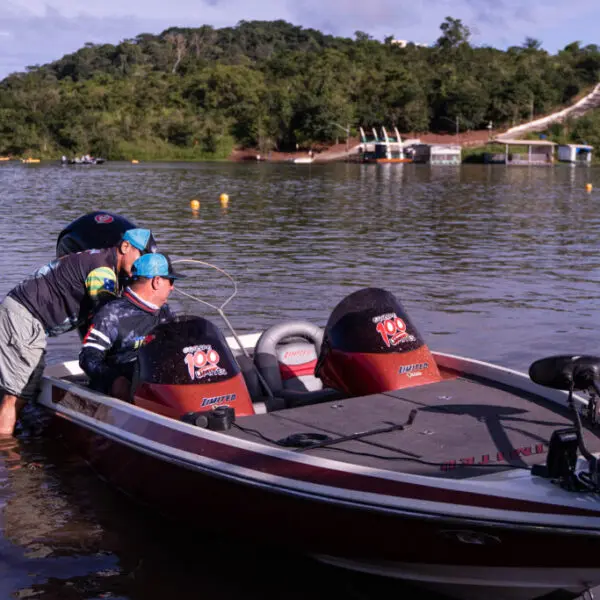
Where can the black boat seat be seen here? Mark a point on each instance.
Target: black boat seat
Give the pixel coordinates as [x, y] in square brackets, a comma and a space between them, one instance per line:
[286, 356]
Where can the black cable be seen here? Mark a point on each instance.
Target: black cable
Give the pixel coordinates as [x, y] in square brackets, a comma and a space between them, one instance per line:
[254, 432]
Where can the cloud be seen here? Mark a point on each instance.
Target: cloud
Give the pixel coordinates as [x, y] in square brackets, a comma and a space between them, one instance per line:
[30, 39]
[39, 31]
[498, 23]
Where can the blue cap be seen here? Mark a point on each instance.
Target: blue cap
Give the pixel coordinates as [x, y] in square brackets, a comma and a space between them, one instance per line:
[154, 265]
[142, 239]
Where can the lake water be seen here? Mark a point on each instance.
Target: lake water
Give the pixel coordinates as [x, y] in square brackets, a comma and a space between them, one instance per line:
[496, 263]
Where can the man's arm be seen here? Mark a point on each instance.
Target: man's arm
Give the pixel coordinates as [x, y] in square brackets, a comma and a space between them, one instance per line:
[101, 285]
[99, 339]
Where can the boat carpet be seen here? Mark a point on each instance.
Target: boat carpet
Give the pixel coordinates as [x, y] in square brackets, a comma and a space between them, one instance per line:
[463, 428]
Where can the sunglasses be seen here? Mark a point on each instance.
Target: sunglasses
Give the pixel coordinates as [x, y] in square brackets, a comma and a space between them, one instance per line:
[171, 280]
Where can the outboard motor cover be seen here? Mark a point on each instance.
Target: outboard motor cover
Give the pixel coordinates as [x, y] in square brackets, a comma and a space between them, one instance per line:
[187, 366]
[371, 346]
[97, 229]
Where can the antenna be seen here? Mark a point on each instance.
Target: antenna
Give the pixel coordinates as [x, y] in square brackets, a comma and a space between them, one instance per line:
[222, 314]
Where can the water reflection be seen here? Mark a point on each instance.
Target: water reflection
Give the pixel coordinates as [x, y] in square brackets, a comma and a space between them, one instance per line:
[66, 535]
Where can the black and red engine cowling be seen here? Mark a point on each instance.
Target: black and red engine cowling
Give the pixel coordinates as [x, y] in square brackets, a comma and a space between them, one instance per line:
[371, 346]
[188, 367]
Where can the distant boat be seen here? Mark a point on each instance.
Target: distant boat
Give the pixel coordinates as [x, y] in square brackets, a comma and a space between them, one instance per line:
[4, 158]
[85, 161]
[303, 160]
[29, 161]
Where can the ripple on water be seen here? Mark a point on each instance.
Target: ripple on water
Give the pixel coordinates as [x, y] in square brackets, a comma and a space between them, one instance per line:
[497, 263]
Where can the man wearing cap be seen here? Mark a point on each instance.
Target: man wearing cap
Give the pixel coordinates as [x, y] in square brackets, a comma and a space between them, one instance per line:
[121, 327]
[57, 298]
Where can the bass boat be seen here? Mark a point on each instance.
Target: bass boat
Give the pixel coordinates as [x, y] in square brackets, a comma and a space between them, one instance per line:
[357, 445]
[83, 161]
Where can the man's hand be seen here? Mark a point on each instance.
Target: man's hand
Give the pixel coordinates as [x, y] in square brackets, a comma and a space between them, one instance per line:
[121, 388]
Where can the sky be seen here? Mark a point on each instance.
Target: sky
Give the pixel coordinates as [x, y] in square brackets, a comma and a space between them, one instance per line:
[34, 32]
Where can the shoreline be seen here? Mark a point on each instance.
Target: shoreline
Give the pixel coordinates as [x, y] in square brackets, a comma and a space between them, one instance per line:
[320, 152]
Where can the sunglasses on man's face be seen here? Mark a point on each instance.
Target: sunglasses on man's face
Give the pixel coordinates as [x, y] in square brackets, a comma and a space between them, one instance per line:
[171, 280]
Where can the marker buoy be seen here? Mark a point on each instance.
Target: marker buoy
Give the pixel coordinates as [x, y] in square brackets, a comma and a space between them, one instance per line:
[224, 198]
[195, 204]
[588, 187]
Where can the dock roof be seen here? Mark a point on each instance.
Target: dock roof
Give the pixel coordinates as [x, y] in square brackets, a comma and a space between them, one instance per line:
[523, 142]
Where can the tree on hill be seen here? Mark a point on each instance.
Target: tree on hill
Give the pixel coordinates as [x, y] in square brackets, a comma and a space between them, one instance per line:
[197, 92]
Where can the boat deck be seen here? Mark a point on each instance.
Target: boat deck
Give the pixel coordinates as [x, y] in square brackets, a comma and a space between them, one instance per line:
[463, 428]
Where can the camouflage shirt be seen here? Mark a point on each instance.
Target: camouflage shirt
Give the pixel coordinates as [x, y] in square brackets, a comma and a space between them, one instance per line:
[117, 332]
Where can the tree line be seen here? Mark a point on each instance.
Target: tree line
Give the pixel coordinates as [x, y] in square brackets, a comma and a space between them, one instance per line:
[199, 92]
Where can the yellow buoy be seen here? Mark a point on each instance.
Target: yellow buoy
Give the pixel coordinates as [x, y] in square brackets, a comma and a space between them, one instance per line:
[195, 204]
[224, 198]
[135, 162]
[588, 187]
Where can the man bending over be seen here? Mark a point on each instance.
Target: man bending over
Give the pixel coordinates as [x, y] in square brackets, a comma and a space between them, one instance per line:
[57, 298]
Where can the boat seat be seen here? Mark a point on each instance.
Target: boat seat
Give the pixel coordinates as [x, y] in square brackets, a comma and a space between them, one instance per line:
[286, 356]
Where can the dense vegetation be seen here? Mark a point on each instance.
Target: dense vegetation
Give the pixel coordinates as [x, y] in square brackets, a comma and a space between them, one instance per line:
[585, 130]
[193, 93]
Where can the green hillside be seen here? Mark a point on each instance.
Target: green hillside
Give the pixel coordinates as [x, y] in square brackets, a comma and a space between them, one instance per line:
[197, 93]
